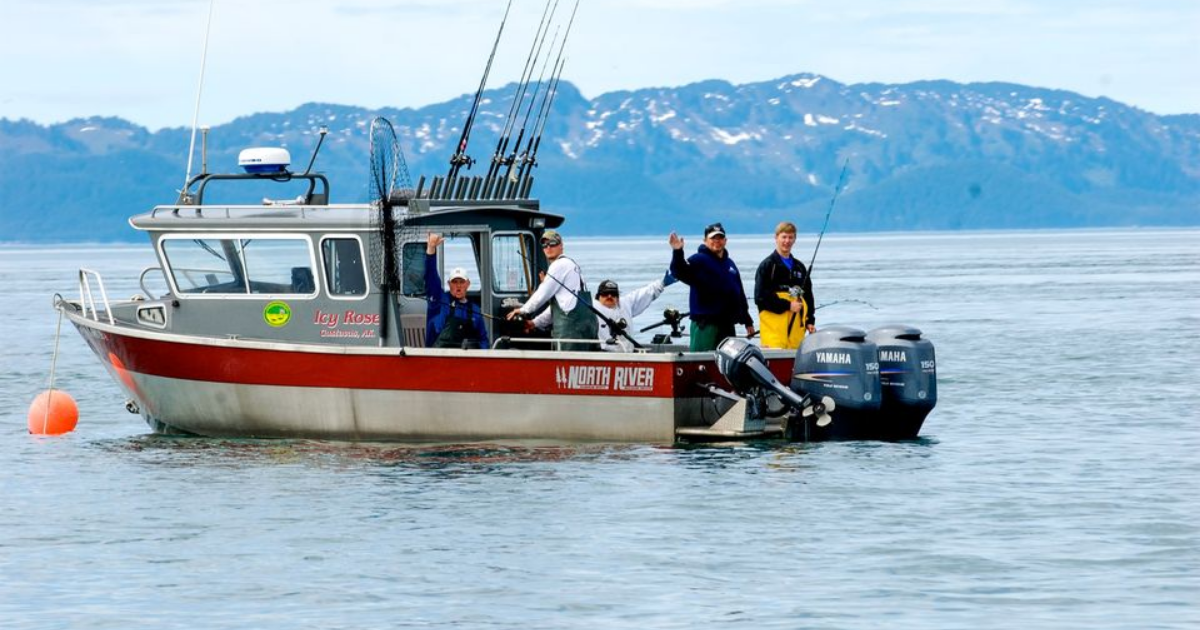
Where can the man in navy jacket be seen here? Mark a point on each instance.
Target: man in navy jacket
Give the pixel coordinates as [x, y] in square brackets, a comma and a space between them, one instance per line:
[717, 301]
[451, 321]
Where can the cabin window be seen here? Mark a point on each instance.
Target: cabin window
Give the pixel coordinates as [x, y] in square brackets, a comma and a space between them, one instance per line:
[263, 265]
[510, 267]
[459, 251]
[205, 265]
[277, 266]
[345, 274]
[413, 265]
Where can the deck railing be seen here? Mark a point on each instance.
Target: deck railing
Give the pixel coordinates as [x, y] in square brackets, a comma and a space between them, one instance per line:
[87, 300]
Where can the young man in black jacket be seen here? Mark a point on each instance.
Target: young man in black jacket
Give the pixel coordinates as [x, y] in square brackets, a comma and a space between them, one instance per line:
[783, 294]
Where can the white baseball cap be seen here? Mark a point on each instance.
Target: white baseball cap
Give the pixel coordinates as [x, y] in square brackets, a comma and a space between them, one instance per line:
[458, 273]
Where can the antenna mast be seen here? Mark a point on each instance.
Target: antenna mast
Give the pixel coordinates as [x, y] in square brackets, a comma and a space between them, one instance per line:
[184, 196]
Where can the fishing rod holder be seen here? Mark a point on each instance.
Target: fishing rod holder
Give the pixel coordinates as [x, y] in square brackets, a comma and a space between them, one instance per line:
[673, 318]
[476, 188]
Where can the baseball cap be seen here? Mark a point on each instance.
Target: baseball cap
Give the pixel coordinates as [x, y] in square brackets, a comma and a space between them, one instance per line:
[714, 230]
[458, 273]
[550, 237]
[608, 287]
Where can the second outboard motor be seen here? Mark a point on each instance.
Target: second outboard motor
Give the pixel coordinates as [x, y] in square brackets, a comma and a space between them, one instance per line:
[908, 375]
[840, 363]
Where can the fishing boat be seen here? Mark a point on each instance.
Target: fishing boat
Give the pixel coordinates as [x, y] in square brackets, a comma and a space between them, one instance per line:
[296, 317]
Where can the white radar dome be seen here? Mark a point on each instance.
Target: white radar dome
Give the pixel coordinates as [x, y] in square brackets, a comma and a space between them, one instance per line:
[264, 160]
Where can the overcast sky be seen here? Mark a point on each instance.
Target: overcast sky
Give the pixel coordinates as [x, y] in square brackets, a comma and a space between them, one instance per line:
[140, 59]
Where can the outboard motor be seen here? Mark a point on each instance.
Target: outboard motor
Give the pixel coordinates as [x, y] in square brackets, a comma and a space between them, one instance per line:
[745, 367]
[908, 375]
[840, 363]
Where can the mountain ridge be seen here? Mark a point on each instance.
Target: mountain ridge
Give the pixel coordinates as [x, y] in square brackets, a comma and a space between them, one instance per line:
[929, 154]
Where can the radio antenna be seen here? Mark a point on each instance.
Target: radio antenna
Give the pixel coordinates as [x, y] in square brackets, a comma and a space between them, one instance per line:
[183, 195]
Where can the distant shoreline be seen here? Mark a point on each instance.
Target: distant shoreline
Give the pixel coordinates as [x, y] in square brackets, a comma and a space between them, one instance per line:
[766, 235]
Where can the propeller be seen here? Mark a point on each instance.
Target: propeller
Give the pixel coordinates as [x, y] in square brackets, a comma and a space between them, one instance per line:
[821, 411]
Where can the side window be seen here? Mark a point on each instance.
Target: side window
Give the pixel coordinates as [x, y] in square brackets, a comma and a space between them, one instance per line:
[345, 274]
[277, 266]
[511, 270]
[235, 266]
[205, 265]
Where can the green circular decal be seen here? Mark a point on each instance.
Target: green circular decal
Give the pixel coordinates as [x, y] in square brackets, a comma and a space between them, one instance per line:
[277, 314]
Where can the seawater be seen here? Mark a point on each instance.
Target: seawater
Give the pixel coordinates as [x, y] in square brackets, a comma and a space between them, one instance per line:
[1056, 485]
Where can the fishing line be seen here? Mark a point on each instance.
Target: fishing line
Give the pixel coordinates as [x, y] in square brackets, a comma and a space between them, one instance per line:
[863, 302]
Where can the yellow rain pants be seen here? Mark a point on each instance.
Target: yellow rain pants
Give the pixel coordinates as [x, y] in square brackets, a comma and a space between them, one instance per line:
[774, 326]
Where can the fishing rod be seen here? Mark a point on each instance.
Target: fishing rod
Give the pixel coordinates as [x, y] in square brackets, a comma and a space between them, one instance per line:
[460, 158]
[670, 316]
[539, 36]
[613, 326]
[504, 156]
[541, 81]
[836, 191]
[529, 110]
[509, 177]
[539, 124]
[798, 294]
[529, 159]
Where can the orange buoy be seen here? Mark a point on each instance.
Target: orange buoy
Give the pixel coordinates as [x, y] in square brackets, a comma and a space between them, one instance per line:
[53, 412]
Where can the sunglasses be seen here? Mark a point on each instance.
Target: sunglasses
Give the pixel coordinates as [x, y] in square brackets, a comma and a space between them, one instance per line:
[551, 243]
[611, 295]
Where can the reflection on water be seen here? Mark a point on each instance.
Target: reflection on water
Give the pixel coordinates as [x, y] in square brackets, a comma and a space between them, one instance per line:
[484, 457]
[480, 458]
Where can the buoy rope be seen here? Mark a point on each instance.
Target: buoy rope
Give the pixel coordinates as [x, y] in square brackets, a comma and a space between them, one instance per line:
[53, 364]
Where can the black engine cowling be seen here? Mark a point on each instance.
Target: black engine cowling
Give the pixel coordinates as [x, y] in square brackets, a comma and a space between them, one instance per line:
[908, 376]
[839, 362]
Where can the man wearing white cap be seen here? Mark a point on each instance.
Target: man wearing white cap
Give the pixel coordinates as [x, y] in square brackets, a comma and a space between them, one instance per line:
[451, 321]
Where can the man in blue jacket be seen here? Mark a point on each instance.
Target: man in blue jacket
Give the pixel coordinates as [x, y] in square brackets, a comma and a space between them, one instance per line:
[718, 300]
[451, 321]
